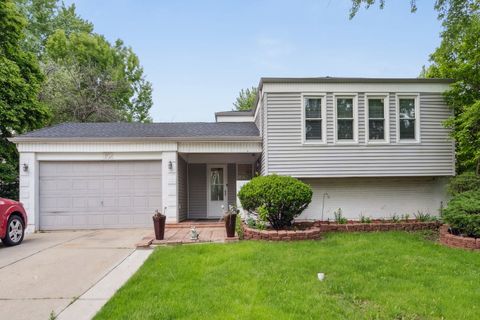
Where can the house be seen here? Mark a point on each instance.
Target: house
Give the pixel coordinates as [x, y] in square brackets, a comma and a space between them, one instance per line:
[373, 147]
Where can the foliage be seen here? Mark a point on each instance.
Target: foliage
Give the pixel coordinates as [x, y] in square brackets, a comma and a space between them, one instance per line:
[246, 99]
[44, 18]
[466, 181]
[277, 199]
[424, 217]
[379, 275]
[90, 80]
[238, 227]
[256, 223]
[463, 213]
[365, 219]
[405, 217]
[87, 78]
[20, 82]
[339, 218]
[395, 218]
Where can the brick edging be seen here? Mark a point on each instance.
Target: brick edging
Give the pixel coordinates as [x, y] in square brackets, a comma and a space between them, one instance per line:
[312, 233]
[451, 240]
[372, 227]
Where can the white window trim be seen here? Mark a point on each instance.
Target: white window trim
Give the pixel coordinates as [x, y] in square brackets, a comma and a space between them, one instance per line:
[314, 95]
[415, 96]
[386, 115]
[354, 96]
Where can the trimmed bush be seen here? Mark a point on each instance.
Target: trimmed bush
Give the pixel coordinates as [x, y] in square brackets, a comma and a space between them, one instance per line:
[467, 181]
[276, 199]
[463, 214]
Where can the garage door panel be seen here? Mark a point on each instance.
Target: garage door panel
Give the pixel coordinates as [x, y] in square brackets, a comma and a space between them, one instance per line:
[102, 194]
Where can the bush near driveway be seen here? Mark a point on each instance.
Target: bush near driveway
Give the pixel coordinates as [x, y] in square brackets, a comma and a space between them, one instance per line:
[463, 214]
[276, 199]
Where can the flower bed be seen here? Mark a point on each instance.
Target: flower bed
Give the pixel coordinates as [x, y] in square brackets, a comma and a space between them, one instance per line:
[311, 233]
[353, 226]
[451, 240]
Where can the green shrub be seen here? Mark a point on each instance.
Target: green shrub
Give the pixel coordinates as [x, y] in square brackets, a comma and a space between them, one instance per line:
[365, 219]
[276, 199]
[463, 214]
[466, 181]
[238, 227]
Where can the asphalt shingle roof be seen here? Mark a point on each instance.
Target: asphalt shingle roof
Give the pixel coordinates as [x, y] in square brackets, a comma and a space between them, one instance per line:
[147, 130]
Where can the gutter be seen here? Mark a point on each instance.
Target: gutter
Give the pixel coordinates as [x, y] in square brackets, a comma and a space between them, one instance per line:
[137, 139]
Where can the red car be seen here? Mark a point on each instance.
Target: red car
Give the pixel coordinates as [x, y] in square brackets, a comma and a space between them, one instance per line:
[13, 220]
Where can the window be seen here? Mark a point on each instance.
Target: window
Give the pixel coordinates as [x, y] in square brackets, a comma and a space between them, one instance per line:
[244, 171]
[377, 119]
[345, 119]
[407, 111]
[313, 119]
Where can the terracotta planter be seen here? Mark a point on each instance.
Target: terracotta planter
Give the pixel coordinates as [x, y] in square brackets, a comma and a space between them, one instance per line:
[159, 227]
[230, 222]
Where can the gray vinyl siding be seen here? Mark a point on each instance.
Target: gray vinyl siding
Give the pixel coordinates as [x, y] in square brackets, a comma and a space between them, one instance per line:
[263, 132]
[285, 153]
[197, 191]
[182, 189]
[232, 183]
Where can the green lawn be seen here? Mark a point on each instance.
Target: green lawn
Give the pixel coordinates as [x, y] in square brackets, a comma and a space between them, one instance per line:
[390, 275]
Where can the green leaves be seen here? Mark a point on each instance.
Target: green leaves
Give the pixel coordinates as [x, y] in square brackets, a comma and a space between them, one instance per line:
[246, 99]
[276, 199]
[463, 213]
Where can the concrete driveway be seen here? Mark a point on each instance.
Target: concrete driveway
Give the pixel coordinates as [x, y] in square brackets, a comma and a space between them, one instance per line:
[50, 270]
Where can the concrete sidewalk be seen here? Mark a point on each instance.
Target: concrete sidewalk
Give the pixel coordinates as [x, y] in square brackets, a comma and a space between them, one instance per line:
[49, 271]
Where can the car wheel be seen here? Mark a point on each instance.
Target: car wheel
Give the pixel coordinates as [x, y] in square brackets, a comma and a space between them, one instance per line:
[15, 231]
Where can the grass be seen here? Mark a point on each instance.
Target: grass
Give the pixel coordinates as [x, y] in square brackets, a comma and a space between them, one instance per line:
[391, 275]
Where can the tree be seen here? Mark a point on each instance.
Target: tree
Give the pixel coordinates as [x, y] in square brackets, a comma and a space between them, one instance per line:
[90, 80]
[20, 83]
[44, 18]
[457, 58]
[245, 100]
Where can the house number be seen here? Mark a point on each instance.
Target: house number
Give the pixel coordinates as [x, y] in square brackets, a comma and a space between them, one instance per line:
[108, 155]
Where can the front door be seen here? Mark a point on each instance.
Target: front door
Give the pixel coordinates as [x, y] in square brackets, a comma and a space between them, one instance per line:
[217, 190]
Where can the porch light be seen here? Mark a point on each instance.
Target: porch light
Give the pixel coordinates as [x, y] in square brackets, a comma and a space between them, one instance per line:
[25, 167]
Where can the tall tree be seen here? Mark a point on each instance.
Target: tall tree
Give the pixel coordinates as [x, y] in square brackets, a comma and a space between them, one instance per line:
[20, 83]
[91, 80]
[245, 100]
[457, 58]
[87, 78]
[44, 18]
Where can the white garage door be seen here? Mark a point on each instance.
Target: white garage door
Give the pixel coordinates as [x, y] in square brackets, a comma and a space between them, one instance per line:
[99, 194]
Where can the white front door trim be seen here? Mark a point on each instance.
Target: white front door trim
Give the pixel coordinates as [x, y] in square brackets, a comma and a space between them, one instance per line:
[214, 207]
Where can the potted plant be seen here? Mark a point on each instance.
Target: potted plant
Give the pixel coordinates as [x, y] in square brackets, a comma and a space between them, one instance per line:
[230, 218]
[159, 224]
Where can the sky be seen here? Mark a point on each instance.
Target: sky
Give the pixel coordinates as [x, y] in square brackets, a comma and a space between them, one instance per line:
[199, 54]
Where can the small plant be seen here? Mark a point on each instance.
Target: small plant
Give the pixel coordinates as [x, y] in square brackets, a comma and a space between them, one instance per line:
[52, 316]
[238, 227]
[422, 216]
[405, 217]
[365, 219]
[256, 224]
[339, 218]
[395, 218]
[158, 215]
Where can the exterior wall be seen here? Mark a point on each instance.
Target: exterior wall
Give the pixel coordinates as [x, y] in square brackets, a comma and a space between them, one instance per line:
[285, 153]
[375, 197]
[232, 183]
[182, 189]
[197, 190]
[29, 189]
